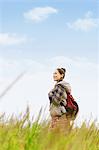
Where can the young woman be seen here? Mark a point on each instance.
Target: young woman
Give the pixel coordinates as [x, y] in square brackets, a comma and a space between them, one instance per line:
[57, 97]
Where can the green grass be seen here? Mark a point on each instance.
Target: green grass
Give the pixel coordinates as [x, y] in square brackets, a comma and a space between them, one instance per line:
[19, 133]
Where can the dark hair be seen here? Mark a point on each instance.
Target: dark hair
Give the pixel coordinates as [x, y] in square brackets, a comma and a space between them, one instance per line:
[62, 71]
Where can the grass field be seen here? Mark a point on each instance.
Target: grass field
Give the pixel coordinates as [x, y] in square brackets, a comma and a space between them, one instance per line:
[19, 133]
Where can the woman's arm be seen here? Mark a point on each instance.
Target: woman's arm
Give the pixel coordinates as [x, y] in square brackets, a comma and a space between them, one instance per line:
[56, 94]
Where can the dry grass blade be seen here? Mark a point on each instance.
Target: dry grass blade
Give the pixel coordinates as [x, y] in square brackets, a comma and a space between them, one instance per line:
[12, 84]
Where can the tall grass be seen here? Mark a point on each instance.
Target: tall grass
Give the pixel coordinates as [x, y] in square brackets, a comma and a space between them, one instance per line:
[19, 133]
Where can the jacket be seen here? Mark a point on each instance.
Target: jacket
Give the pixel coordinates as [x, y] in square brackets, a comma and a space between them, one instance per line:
[57, 97]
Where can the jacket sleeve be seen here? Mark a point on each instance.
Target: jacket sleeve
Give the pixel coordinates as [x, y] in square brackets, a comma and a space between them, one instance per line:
[68, 88]
[56, 94]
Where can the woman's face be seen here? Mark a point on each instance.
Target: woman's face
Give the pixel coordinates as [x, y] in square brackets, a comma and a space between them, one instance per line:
[57, 76]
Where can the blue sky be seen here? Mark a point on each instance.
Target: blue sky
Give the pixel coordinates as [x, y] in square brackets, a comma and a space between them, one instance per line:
[51, 36]
[38, 36]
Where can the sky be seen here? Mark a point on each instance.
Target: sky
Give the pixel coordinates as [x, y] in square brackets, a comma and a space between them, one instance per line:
[39, 36]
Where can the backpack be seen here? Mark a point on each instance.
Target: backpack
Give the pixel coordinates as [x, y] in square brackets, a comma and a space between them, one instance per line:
[72, 107]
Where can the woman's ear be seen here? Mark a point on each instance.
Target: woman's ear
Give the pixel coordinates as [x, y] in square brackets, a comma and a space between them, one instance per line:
[62, 75]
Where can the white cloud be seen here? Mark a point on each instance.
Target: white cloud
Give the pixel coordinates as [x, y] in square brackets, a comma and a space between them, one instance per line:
[36, 83]
[86, 23]
[11, 39]
[39, 14]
